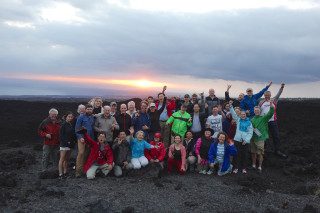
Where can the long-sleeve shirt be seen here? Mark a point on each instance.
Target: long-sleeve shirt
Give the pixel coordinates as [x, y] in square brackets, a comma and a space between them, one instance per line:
[104, 124]
[248, 103]
[265, 105]
[86, 121]
[244, 128]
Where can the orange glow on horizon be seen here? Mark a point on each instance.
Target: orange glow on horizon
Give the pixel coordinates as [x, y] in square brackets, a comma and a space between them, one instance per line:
[138, 83]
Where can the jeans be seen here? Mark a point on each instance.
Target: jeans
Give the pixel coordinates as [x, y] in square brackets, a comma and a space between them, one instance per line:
[49, 152]
[274, 132]
[240, 161]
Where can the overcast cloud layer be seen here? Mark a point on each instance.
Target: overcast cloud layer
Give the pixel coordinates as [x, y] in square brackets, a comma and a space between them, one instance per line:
[104, 39]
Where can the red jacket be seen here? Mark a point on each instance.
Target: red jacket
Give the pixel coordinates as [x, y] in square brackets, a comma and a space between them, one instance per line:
[100, 157]
[170, 104]
[155, 153]
[47, 127]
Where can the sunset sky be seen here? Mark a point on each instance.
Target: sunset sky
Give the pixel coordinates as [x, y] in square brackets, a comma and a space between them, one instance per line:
[78, 47]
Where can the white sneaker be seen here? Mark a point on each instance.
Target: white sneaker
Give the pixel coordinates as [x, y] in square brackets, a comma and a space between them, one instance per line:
[203, 172]
[209, 172]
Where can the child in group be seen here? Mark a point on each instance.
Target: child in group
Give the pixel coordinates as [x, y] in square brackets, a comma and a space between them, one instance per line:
[202, 149]
[100, 157]
[177, 156]
[67, 141]
[189, 143]
[260, 134]
[220, 153]
[156, 155]
[138, 145]
[122, 154]
[242, 139]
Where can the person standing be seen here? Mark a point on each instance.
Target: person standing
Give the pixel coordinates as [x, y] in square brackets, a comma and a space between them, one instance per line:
[124, 120]
[236, 102]
[49, 130]
[242, 139]
[165, 108]
[154, 120]
[214, 121]
[131, 109]
[260, 134]
[211, 101]
[67, 141]
[251, 100]
[106, 124]
[180, 121]
[141, 120]
[198, 122]
[272, 124]
[83, 121]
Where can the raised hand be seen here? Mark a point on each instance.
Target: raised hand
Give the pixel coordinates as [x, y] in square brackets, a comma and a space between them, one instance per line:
[131, 130]
[228, 88]
[270, 83]
[282, 85]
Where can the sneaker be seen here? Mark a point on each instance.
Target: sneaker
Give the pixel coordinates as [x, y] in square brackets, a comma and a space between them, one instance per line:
[203, 172]
[235, 171]
[253, 167]
[61, 176]
[259, 169]
[209, 172]
[244, 171]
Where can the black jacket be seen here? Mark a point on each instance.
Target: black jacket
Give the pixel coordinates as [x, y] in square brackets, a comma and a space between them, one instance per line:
[154, 118]
[190, 147]
[236, 103]
[121, 152]
[202, 117]
[124, 121]
[68, 137]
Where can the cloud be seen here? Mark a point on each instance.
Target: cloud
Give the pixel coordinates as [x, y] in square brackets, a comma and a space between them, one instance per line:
[104, 39]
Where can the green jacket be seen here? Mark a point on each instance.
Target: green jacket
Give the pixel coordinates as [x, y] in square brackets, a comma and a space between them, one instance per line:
[180, 123]
[261, 124]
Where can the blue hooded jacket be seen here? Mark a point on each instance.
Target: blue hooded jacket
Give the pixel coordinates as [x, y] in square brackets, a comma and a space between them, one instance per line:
[229, 150]
[141, 120]
[87, 122]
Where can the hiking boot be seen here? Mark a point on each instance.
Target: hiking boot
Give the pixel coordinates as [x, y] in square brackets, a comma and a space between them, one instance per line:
[203, 172]
[244, 171]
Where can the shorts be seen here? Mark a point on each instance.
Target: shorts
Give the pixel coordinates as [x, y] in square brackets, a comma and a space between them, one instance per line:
[257, 147]
[64, 148]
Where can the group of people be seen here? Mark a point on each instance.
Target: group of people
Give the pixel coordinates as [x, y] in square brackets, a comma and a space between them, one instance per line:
[203, 134]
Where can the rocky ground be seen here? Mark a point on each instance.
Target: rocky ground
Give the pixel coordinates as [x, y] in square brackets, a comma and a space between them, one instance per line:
[286, 185]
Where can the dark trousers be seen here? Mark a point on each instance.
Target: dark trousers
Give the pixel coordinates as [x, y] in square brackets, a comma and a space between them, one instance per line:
[274, 132]
[240, 161]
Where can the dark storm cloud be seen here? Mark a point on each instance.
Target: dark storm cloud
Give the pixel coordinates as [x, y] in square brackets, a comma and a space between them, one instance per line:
[249, 45]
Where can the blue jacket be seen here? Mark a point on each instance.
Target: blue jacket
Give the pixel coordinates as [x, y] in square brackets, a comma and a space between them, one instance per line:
[86, 122]
[229, 150]
[138, 147]
[139, 121]
[248, 103]
[244, 130]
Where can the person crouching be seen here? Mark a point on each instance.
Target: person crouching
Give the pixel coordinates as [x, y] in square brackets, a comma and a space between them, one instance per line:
[156, 155]
[100, 157]
[177, 156]
[202, 149]
[138, 145]
[220, 153]
[122, 154]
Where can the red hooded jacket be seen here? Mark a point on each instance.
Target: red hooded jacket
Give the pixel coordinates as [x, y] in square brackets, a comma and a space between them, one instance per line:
[101, 157]
[156, 153]
[47, 127]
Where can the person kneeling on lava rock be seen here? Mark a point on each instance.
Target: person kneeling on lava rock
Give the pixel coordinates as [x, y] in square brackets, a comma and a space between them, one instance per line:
[100, 157]
[156, 155]
[122, 154]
